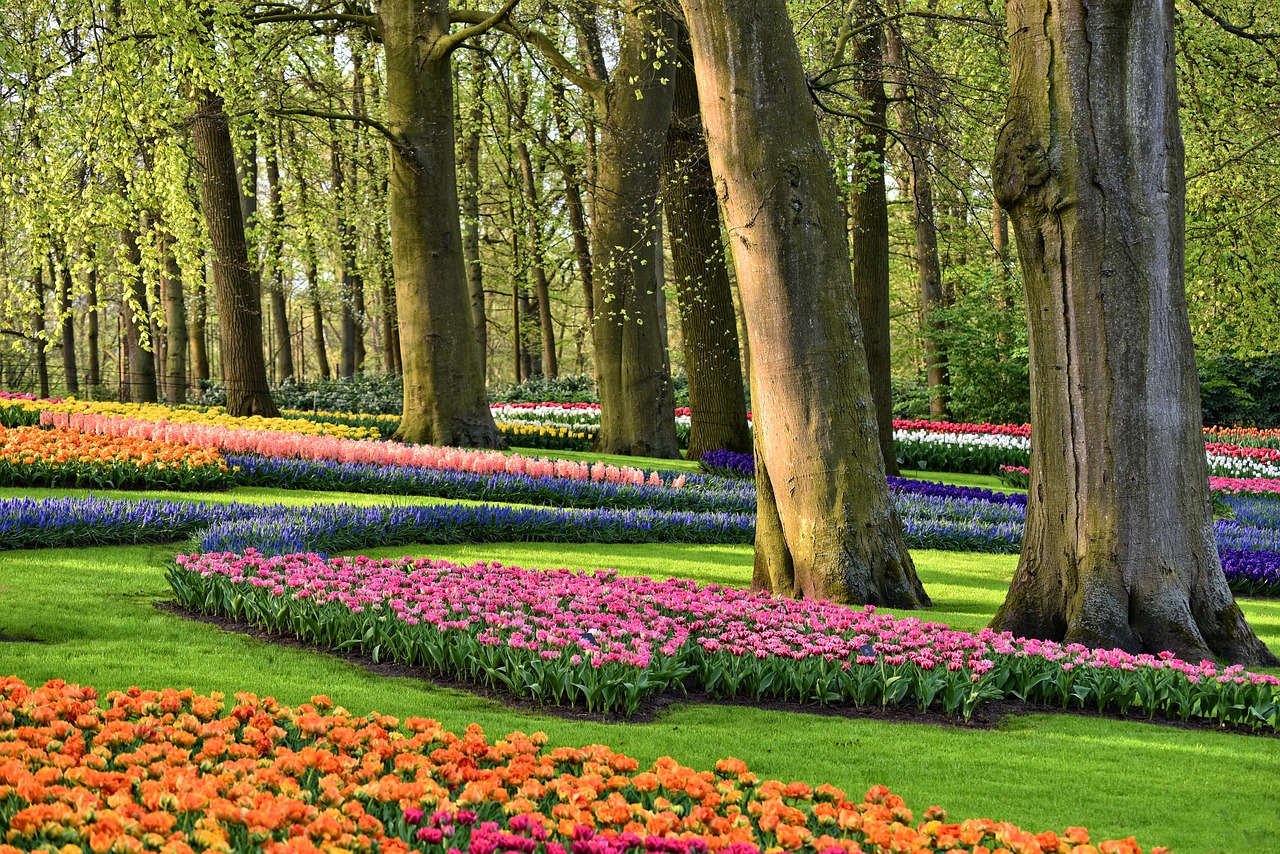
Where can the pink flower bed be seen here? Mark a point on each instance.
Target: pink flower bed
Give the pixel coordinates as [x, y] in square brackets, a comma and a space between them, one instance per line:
[281, 445]
[22, 395]
[1245, 485]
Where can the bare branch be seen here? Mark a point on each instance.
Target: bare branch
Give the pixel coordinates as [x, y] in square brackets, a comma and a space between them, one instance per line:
[453, 41]
[391, 135]
[1232, 28]
[537, 40]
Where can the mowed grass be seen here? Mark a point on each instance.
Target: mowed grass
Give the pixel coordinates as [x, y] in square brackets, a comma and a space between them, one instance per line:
[93, 613]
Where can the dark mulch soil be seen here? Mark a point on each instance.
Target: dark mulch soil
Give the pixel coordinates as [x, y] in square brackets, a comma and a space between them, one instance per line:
[988, 716]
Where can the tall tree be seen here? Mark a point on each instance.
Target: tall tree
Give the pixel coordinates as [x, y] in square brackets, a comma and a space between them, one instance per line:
[175, 322]
[1119, 549]
[275, 288]
[444, 392]
[244, 369]
[826, 526]
[141, 376]
[471, 206]
[66, 318]
[708, 322]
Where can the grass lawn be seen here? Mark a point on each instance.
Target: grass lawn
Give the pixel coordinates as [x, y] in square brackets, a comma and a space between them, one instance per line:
[92, 611]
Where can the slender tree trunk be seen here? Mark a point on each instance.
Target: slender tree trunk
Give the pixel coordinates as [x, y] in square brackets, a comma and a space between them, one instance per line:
[444, 393]
[869, 215]
[537, 263]
[633, 373]
[1119, 549]
[354, 184]
[916, 142]
[141, 377]
[94, 374]
[244, 369]
[66, 312]
[175, 321]
[708, 322]
[313, 291]
[570, 170]
[279, 306]
[199, 327]
[471, 208]
[390, 328]
[38, 327]
[348, 278]
[826, 524]
[519, 358]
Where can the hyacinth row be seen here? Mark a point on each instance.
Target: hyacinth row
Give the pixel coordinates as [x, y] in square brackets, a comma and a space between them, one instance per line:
[31, 456]
[289, 445]
[607, 642]
[179, 772]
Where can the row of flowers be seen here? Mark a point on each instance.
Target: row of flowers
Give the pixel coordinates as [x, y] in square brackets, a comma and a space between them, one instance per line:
[289, 445]
[175, 771]
[31, 456]
[607, 642]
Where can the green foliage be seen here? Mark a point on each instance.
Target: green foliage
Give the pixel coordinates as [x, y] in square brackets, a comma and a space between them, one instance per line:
[567, 388]
[1239, 392]
[366, 393]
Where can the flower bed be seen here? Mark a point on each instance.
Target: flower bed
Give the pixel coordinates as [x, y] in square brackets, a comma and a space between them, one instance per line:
[31, 456]
[176, 771]
[606, 642]
[210, 416]
[289, 445]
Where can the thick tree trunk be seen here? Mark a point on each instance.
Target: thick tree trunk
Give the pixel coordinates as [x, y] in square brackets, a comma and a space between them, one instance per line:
[633, 373]
[93, 376]
[471, 209]
[175, 321]
[141, 378]
[826, 523]
[244, 369]
[708, 322]
[869, 216]
[1119, 549]
[916, 142]
[275, 289]
[444, 393]
[66, 313]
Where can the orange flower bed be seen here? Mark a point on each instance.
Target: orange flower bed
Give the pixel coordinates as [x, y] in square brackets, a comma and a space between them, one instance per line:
[34, 456]
[174, 771]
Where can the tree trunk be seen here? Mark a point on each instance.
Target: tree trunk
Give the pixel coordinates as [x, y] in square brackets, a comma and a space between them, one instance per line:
[244, 369]
[826, 524]
[66, 312]
[471, 209]
[537, 263]
[94, 374]
[633, 373]
[348, 277]
[313, 290]
[199, 327]
[444, 393]
[916, 142]
[1119, 549]
[869, 216]
[141, 377]
[570, 170]
[708, 322]
[175, 321]
[38, 330]
[279, 306]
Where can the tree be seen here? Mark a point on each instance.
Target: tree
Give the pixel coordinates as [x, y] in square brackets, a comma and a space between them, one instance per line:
[1119, 548]
[825, 524]
[444, 391]
[708, 322]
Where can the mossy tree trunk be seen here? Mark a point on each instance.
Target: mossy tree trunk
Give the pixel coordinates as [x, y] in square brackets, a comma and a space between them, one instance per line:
[826, 523]
[1119, 549]
[708, 322]
[444, 391]
[632, 369]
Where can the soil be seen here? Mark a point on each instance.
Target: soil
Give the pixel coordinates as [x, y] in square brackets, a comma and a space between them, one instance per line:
[990, 715]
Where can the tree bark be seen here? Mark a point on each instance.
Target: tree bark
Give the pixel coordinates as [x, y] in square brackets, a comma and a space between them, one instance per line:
[444, 393]
[916, 142]
[199, 327]
[175, 321]
[348, 276]
[570, 171]
[826, 523]
[869, 215]
[1119, 549]
[313, 290]
[633, 372]
[38, 332]
[66, 313]
[244, 369]
[275, 290]
[471, 209]
[94, 374]
[708, 322]
[141, 377]
[537, 263]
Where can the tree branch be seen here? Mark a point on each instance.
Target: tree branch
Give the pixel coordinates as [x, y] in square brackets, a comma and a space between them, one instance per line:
[453, 41]
[535, 39]
[1230, 27]
[391, 135]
